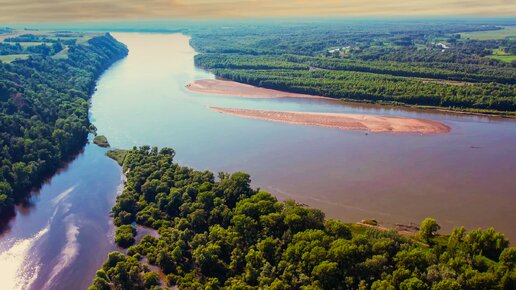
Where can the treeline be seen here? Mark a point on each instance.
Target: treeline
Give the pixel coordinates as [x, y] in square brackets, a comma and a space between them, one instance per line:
[221, 233]
[316, 37]
[464, 73]
[44, 112]
[458, 51]
[369, 81]
[380, 88]
[43, 49]
[31, 38]
[238, 61]
[377, 61]
[6, 48]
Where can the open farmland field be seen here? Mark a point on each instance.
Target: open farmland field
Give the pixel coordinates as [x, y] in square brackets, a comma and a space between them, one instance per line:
[504, 58]
[507, 31]
[12, 57]
[20, 44]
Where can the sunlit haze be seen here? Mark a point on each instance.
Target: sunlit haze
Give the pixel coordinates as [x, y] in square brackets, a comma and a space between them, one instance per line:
[85, 10]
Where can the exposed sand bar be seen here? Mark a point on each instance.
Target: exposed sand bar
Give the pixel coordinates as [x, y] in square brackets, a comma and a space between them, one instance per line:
[369, 123]
[235, 89]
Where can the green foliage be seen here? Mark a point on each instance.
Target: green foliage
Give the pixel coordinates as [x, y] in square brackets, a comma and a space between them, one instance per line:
[373, 223]
[508, 257]
[150, 279]
[428, 229]
[413, 284]
[317, 37]
[488, 243]
[225, 235]
[121, 272]
[373, 62]
[44, 110]
[101, 141]
[118, 155]
[124, 235]
[363, 86]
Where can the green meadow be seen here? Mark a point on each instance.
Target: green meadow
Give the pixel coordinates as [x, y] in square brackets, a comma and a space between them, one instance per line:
[12, 57]
[507, 31]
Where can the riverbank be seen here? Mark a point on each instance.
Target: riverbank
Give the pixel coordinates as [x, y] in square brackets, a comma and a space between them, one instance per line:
[236, 89]
[51, 223]
[231, 226]
[371, 123]
[400, 177]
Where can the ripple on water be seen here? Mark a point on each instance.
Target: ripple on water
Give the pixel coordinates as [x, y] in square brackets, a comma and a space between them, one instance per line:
[17, 268]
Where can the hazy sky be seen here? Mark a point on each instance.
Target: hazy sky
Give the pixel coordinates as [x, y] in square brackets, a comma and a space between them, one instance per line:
[83, 10]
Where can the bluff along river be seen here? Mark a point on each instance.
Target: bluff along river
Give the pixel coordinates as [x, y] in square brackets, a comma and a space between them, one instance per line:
[465, 177]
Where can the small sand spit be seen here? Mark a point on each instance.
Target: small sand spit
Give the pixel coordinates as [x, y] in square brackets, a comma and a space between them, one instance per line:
[235, 89]
[371, 123]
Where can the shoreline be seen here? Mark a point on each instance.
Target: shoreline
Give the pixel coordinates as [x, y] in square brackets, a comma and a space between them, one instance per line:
[369, 123]
[229, 88]
[241, 90]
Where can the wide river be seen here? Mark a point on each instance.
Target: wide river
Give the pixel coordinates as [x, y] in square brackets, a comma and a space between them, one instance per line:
[466, 177]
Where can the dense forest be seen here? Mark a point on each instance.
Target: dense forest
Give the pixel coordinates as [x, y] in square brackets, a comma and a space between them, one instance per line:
[311, 38]
[44, 106]
[424, 64]
[220, 233]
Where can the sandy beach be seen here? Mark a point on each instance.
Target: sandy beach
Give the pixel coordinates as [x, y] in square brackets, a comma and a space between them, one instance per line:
[235, 89]
[371, 123]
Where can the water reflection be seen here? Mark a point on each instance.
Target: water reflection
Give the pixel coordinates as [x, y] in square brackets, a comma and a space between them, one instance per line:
[63, 236]
[49, 244]
[464, 177]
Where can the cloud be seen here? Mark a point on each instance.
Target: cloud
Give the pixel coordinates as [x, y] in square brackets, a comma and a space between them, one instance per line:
[81, 10]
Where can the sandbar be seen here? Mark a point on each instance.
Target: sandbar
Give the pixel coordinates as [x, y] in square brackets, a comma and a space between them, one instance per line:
[236, 89]
[370, 123]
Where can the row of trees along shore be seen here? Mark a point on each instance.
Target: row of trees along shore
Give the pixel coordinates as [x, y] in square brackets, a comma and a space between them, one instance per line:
[44, 111]
[219, 233]
[423, 64]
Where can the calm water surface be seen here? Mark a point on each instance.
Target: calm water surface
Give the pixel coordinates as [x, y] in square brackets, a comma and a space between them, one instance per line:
[465, 177]
[59, 241]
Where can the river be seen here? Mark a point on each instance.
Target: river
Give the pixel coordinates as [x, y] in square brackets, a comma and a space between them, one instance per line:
[465, 177]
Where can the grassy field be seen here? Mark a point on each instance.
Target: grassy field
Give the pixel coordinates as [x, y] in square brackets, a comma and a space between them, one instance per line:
[501, 55]
[84, 39]
[81, 39]
[118, 155]
[12, 57]
[504, 58]
[27, 44]
[63, 54]
[508, 31]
